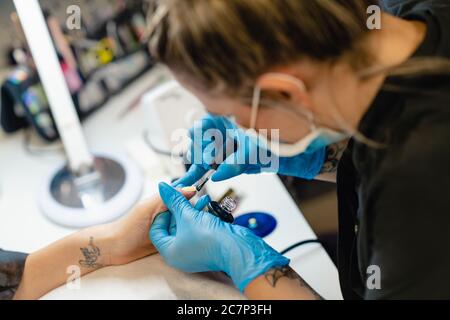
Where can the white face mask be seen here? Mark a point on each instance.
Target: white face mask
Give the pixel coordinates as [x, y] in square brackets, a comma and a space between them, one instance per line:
[318, 137]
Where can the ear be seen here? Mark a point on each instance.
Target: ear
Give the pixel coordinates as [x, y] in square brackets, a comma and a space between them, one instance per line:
[287, 85]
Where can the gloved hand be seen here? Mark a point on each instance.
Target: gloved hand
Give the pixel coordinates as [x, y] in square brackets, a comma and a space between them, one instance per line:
[202, 242]
[247, 158]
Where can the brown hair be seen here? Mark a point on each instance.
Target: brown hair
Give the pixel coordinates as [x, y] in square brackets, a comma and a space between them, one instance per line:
[227, 44]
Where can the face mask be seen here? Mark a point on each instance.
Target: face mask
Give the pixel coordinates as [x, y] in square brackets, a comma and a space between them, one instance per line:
[318, 138]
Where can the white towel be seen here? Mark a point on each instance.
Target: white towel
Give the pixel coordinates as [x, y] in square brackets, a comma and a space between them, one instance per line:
[146, 279]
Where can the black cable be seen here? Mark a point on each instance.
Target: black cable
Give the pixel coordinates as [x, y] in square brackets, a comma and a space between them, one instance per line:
[158, 150]
[301, 243]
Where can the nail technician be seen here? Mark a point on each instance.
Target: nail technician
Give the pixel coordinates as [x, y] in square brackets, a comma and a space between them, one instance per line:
[367, 108]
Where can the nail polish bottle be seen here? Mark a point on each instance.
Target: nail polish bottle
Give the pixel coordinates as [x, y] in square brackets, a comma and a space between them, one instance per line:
[224, 209]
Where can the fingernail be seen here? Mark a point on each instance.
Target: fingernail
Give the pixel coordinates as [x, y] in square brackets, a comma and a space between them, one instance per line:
[216, 177]
[189, 189]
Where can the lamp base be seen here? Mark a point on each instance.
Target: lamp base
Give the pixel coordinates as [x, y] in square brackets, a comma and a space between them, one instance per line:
[103, 195]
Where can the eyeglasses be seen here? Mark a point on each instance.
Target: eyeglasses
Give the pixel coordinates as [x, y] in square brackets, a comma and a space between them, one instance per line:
[288, 115]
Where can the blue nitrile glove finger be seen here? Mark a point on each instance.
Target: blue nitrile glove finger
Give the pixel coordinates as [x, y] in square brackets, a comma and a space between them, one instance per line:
[159, 231]
[199, 154]
[194, 174]
[305, 165]
[246, 158]
[202, 203]
[230, 169]
[173, 226]
[202, 156]
[207, 139]
[203, 242]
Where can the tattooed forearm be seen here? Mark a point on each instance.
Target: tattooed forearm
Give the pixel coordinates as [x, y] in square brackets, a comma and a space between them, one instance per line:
[91, 255]
[273, 275]
[334, 154]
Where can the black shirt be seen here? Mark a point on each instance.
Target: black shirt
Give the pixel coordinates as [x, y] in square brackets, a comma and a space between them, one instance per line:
[394, 202]
[11, 269]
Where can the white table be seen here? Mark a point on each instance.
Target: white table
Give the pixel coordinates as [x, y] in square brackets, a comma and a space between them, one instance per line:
[24, 228]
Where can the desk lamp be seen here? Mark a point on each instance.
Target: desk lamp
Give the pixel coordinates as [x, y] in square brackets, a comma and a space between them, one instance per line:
[88, 189]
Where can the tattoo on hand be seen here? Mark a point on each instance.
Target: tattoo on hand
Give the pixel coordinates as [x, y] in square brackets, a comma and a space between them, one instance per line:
[91, 255]
[334, 154]
[273, 275]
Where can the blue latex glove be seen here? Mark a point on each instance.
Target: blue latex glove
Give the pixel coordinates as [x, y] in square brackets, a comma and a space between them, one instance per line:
[202, 242]
[305, 166]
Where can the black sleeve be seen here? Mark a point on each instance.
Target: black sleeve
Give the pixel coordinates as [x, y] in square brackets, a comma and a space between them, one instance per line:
[400, 8]
[11, 270]
[397, 7]
[409, 206]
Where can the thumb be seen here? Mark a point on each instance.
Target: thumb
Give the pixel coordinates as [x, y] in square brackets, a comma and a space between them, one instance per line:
[194, 174]
[228, 169]
[159, 231]
[174, 200]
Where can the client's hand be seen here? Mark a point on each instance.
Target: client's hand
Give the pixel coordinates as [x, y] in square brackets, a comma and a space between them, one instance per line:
[114, 243]
[129, 235]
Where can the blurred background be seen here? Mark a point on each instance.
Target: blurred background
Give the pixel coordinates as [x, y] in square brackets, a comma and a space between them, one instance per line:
[99, 58]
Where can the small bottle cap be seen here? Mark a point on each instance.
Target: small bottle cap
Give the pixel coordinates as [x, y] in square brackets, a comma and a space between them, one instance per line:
[228, 204]
[252, 223]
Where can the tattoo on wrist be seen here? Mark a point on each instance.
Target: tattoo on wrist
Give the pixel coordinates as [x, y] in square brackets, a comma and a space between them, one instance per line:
[91, 255]
[334, 154]
[273, 275]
